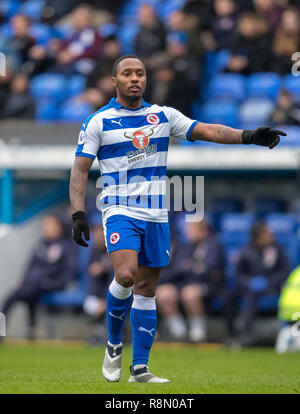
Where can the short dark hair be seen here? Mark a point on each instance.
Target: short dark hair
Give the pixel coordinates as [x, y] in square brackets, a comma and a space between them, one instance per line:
[116, 64]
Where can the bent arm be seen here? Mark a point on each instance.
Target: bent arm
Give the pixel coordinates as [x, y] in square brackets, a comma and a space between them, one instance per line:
[220, 134]
[78, 182]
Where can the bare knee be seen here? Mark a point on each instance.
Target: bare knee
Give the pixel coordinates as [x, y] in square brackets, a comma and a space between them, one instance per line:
[125, 276]
[145, 288]
[166, 293]
[191, 293]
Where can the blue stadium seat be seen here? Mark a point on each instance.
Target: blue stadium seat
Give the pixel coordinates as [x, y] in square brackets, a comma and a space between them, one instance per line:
[293, 135]
[6, 30]
[265, 85]
[222, 205]
[282, 223]
[237, 223]
[49, 86]
[226, 85]
[292, 84]
[284, 228]
[126, 35]
[168, 7]
[215, 62]
[33, 9]
[64, 30]
[232, 247]
[8, 8]
[76, 85]
[220, 112]
[266, 205]
[73, 111]
[107, 29]
[256, 110]
[41, 33]
[47, 111]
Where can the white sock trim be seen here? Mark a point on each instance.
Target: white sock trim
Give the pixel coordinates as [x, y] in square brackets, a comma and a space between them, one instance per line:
[143, 302]
[119, 291]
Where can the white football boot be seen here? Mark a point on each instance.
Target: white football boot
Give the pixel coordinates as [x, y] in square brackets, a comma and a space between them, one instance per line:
[111, 368]
[142, 374]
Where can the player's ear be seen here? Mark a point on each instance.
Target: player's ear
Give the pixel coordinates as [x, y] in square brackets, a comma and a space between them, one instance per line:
[114, 81]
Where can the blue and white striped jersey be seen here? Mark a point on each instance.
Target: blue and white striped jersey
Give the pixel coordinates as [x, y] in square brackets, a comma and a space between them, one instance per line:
[131, 146]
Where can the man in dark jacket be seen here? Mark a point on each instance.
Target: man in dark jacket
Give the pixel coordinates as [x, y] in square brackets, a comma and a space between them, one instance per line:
[262, 268]
[50, 268]
[196, 272]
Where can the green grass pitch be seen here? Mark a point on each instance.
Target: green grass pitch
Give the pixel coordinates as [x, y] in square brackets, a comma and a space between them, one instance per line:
[76, 368]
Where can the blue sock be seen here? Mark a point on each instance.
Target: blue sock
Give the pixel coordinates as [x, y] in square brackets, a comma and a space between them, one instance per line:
[118, 301]
[143, 320]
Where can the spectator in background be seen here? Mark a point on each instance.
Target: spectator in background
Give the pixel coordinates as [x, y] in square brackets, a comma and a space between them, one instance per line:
[50, 268]
[261, 269]
[195, 273]
[224, 23]
[270, 11]
[251, 51]
[99, 276]
[168, 86]
[286, 41]
[151, 37]
[18, 103]
[79, 52]
[21, 42]
[99, 88]
[285, 112]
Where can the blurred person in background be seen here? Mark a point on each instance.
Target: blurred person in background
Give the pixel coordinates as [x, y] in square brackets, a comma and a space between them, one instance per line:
[79, 52]
[223, 25]
[285, 112]
[21, 41]
[196, 273]
[251, 50]
[286, 41]
[50, 268]
[262, 268]
[269, 10]
[18, 104]
[99, 278]
[151, 37]
[168, 86]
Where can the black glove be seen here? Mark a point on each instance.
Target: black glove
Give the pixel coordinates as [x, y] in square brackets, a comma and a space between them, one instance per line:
[263, 136]
[80, 225]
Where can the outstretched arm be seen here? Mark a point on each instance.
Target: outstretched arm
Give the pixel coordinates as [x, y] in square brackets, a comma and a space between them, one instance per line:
[222, 134]
[78, 183]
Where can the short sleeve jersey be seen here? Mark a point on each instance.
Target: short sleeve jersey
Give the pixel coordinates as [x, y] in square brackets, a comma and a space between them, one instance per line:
[131, 146]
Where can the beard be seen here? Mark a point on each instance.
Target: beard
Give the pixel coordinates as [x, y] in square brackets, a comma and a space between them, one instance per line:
[130, 98]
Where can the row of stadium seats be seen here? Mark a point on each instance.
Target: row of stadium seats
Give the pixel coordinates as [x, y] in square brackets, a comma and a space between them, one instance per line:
[257, 85]
[234, 232]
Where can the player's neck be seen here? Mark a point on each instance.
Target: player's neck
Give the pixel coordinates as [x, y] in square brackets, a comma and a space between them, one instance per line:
[129, 104]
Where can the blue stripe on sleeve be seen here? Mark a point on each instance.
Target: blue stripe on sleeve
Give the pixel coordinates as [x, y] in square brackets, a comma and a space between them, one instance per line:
[190, 130]
[79, 152]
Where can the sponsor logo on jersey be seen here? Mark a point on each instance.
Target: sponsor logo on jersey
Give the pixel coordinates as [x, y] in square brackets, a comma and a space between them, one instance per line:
[152, 119]
[139, 138]
[114, 238]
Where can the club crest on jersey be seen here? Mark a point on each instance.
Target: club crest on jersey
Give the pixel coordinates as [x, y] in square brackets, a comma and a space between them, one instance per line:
[82, 137]
[140, 139]
[152, 119]
[114, 238]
